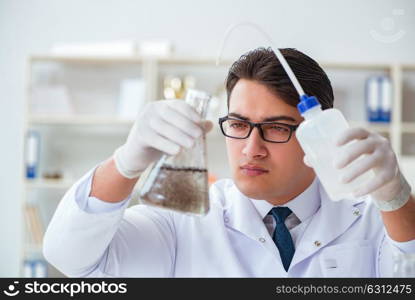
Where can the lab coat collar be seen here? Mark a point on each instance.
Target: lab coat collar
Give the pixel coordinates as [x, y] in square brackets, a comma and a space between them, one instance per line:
[303, 206]
[241, 215]
[329, 222]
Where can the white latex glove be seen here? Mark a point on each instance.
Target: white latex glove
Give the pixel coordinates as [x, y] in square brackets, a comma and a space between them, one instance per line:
[162, 127]
[379, 156]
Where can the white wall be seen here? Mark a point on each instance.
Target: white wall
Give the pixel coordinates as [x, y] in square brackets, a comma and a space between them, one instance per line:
[325, 29]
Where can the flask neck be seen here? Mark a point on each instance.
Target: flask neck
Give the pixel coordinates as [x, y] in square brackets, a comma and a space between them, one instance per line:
[199, 100]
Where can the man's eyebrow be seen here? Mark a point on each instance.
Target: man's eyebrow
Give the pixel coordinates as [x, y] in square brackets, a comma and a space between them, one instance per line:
[236, 115]
[269, 119]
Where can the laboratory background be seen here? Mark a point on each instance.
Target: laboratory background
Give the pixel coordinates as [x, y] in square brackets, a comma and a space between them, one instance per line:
[75, 73]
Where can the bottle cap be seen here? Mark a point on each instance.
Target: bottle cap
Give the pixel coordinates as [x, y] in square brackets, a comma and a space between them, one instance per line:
[307, 102]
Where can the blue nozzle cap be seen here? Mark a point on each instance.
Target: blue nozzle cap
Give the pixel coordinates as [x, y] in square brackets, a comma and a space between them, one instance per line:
[307, 102]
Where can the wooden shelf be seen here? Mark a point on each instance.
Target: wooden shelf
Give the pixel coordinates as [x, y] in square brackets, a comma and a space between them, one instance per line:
[408, 127]
[77, 120]
[193, 61]
[184, 60]
[408, 67]
[56, 184]
[87, 59]
[379, 127]
[356, 66]
[189, 60]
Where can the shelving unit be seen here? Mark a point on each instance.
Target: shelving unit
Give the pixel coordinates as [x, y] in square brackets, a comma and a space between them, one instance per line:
[75, 143]
[76, 120]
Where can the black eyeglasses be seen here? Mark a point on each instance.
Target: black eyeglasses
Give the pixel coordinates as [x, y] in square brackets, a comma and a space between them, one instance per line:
[273, 132]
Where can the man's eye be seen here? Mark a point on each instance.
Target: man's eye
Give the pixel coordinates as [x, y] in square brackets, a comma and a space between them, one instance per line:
[279, 128]
[238, 125]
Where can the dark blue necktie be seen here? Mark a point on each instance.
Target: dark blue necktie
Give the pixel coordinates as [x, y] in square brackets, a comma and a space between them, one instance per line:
[282, 237]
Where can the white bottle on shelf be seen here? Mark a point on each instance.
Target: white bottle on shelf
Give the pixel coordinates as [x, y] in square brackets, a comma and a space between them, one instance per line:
[316, 135]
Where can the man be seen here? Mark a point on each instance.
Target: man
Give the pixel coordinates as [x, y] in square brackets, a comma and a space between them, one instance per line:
[274, 219]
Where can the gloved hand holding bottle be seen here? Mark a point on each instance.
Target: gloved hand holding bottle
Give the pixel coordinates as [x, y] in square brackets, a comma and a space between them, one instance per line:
[374, 153]
[161, 127]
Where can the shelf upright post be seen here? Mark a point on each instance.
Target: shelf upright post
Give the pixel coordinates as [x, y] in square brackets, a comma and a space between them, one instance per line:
[150, 74]
[396, 128]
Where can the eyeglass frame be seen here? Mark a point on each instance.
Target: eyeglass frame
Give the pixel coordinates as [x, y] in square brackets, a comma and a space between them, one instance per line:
[252, 125]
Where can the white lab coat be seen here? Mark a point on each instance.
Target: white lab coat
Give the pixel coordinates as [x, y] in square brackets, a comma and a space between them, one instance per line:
[342, 239]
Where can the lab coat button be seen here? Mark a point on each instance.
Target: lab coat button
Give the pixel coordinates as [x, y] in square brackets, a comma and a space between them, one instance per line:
[262, 240]
[356, 212]
[226, 219]
[317, 243]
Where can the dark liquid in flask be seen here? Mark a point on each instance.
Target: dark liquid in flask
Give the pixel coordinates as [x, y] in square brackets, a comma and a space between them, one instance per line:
[184, 189]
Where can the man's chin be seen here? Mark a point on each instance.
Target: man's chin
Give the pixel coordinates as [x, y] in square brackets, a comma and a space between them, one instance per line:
[251, 190]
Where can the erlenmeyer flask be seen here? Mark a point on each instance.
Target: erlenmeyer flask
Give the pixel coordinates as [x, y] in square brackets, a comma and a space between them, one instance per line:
[180, 182]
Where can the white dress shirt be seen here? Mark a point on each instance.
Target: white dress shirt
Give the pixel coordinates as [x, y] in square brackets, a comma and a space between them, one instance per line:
[303, 207]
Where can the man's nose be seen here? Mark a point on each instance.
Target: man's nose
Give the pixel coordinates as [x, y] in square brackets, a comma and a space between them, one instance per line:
[254, 145]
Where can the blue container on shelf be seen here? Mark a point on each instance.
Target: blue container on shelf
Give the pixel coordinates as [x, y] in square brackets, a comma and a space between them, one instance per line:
[32, 154]
[378, 93]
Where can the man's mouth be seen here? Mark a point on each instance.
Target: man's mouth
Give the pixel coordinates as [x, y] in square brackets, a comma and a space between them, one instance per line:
[253, 170]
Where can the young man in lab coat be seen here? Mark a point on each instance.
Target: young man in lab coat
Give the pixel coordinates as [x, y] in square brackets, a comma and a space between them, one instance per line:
[272, 219]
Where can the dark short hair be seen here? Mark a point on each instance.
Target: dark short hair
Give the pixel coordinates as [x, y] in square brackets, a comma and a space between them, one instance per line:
[263, 66]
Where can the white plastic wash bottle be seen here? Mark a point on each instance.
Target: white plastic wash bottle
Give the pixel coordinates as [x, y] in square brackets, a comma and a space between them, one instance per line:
[316, 135]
